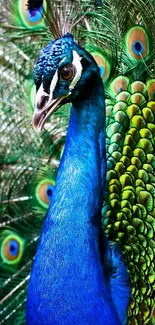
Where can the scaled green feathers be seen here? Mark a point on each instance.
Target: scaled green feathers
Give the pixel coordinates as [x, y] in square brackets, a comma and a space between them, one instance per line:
[130, 204]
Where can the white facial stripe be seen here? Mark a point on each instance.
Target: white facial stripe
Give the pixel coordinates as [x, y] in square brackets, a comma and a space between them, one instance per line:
[54, 80]
[53, 84]
[77, 63]
[40, 93]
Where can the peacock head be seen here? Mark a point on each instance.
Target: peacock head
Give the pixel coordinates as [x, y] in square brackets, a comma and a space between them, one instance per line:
[62, 74]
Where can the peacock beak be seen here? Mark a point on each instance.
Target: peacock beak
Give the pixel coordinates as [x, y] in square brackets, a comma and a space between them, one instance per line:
[45, 105]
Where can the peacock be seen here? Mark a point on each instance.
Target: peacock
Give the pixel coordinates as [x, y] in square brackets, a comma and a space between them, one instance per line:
[97, 243]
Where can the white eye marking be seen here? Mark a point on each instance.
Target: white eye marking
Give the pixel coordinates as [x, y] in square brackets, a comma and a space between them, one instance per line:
[40, 93]
[53, 84]
[77, 63]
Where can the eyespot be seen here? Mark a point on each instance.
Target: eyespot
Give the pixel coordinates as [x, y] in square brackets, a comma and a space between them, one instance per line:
[138, 87]
[67, 73]
[118, 85]
[44, 192]
[151, 89]
[12, 248]
[137, 43]
[30, 18]
[103, 64]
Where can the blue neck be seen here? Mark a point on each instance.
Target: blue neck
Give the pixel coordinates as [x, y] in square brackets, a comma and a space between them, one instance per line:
[67, 285]
[82, 166]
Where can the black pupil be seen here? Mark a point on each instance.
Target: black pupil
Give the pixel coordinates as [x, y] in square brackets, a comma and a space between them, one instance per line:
[12, 248]
[138, 46]
[67, 72]
[49, 192]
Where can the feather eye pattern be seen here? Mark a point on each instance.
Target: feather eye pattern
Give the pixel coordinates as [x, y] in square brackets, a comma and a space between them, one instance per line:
[12, 247]
[151, 89]
[137, 43]
[103, 61]
[42, 189]
[44, 192]
[119, 85]
[31, 19]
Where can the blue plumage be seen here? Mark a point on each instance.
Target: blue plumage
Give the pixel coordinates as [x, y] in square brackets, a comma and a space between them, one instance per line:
[70, 284]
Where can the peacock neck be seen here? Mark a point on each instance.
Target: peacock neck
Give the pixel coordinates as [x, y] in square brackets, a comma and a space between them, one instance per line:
[82, 167]
[87, 119]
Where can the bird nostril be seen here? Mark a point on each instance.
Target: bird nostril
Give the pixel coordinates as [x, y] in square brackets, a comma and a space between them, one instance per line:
[42, 102]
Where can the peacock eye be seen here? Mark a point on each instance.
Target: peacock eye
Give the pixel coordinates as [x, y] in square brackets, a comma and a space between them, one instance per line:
[44, 192]
[67, 73]
[11, 248]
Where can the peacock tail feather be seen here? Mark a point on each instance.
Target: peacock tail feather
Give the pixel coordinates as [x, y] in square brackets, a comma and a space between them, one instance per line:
[121, 38]
[129, 205]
